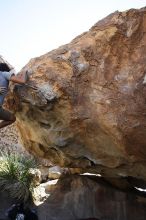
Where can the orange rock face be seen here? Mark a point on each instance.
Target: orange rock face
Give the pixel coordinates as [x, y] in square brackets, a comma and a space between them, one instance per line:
[89, 109]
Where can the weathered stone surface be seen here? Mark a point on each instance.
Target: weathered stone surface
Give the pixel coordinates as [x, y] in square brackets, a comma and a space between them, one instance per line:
[89, 109]
[56, 172]
[78, 197]
[10, 140]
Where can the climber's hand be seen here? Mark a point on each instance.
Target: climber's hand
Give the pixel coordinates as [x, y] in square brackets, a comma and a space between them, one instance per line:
[20, 78]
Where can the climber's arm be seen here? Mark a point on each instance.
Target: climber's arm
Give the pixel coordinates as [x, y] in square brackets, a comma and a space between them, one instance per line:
[20, 79]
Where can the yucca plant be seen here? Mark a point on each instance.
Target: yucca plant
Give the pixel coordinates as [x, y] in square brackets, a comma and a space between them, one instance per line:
[14, 175]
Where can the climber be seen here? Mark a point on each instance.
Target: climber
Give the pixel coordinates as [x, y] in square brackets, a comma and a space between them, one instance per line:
[6, 75]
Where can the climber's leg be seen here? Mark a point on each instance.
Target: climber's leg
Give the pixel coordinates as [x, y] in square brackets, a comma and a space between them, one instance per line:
[6, 117]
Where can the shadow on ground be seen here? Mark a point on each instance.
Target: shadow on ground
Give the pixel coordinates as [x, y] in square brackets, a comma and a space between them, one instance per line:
[79, 197]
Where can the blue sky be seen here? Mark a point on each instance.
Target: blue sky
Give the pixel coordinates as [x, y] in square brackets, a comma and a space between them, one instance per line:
[30, 28]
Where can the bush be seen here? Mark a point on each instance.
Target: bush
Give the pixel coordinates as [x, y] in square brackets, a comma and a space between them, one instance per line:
[15, 176]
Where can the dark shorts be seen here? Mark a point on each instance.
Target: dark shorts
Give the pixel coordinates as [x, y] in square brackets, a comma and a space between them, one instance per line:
[5, 114]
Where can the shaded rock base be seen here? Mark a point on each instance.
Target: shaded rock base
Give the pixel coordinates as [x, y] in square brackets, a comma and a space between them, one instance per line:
[5, 203]
[80, 197]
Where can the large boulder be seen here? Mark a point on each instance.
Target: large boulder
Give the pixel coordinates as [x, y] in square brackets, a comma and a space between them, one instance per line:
[89, 109]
